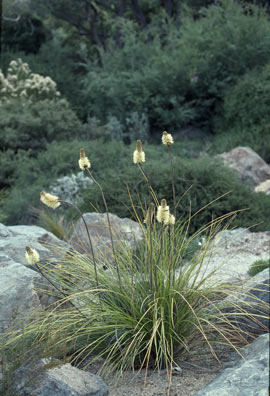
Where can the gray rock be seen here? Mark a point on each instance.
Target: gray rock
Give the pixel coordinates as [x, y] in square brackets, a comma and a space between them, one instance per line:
[232, 252]
[22, 290]
[18, 298]
[125, 232]
[248, 376]
[68, 187]
[254, 303]
[65, 380]
[250, 167]
[14, 239]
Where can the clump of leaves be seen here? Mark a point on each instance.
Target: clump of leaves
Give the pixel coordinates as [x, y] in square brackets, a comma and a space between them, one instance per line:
[258, 266]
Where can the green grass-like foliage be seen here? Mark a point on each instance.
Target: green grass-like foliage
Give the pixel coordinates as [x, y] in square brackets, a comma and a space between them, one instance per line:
[258, 266]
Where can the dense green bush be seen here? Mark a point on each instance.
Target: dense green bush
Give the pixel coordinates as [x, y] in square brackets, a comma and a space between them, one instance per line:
[20, 82]
[30, 175]
[206, 178]
[140, 76]
[27, 34]
[181, 74]
[58, 59]
[227, 41]
[245, 118]
[258, 266]
[112, 164]
[31, 126]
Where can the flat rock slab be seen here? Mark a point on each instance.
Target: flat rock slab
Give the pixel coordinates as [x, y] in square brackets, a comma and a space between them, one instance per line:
[18, 297]
[14, 239]
[245, 377]
[65, 380]
[125, 233]
[232, 252]
[250, 167]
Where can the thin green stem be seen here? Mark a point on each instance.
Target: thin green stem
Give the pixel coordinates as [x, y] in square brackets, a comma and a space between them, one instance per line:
[173, 185]
[109, 224]
[151, 190]
[88, 235]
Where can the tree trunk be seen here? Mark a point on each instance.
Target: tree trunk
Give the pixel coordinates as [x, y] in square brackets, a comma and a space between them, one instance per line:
[168, 5]
[139, 14]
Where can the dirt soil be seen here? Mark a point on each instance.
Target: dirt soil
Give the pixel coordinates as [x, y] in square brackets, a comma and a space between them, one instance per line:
[192, 374]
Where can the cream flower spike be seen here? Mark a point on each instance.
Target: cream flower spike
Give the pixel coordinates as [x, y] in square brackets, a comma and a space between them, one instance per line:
[171, 220]
[31, 255]
[84, 162]
[167, 139]
[138, 155]
[163, 212]
[50, 200]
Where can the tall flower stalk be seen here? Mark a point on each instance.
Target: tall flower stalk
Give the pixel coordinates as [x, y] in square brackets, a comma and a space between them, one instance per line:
[54, 202]
[167, 140]
[85, 164]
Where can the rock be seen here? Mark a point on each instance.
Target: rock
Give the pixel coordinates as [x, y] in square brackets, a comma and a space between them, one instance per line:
[68, 187]
[249, 165]
[244, 377]
[18, 298]
[19, 282]
[125, 232]
[14, 239]
[232, 252]
[65, 380]
[254, 303]
[263, 187]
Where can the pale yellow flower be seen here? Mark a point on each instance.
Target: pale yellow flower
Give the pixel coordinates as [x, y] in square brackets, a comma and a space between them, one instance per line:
[171, 220]
[50, 200]
[138, 155]
[31, 255]
[84, 162]
[163, 212]
[167, 139]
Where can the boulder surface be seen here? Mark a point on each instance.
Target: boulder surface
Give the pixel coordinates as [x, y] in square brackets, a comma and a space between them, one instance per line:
[125, 232]
[242, 377]
[65, 380]
[249, 166]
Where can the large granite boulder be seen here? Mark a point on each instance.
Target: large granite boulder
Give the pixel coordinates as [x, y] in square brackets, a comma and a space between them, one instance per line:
[14, 239]
[66, 380]
[22, 289]
[248, 306]
[242, 377]
[231, 253]
[125, 232]
[18, 297]
[249, 166]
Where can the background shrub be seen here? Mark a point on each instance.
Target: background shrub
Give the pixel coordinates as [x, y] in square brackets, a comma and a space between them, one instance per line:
[48, 166]
[31, 126]
[20, 82]
[245, 118]
[140, 76]
[208, 180]
[57, 58]
[163, 73]
[112, 165]
[233, 39]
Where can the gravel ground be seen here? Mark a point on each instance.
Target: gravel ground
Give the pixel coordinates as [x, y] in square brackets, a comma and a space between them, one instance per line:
[196, 372]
